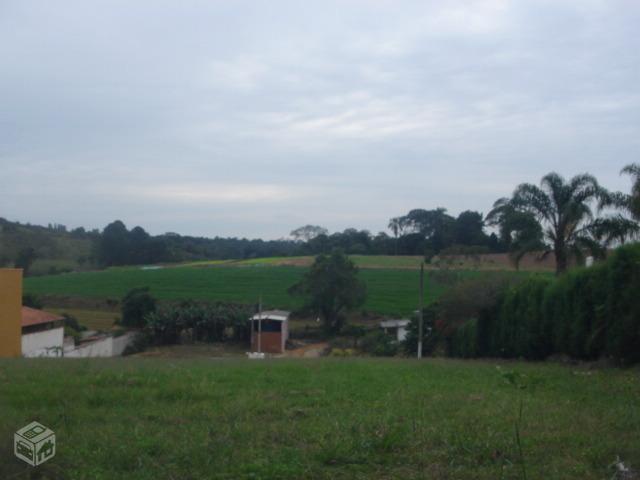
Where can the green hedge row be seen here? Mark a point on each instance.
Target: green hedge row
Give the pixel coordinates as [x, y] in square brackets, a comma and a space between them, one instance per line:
[587, 313]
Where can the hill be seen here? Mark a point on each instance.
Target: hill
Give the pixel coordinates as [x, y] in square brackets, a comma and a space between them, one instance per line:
[55, 249]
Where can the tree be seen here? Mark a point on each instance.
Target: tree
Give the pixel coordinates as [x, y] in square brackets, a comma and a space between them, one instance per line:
[308, 232]
[396, 225]
[564, 211]
[520, 232]
[114, 245]
[331, 288]
[25, 258]
[469, 229]
[136, 305]
[632, 202]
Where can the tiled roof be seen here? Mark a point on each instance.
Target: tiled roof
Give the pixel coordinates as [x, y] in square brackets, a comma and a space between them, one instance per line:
[31, 316]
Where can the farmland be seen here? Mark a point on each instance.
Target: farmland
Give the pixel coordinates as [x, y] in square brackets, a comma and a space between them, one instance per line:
[391, 291]
[329, 418]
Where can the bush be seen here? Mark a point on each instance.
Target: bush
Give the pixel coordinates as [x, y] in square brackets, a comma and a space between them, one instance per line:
[205, 323]
[32, 300]
[72, 322]
[379, 344]
[136, 305]
[587, 313]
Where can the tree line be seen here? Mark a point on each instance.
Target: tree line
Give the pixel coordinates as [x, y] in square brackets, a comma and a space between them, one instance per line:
[565, 218]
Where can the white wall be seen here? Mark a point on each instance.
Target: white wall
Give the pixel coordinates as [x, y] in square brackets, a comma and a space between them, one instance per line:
[105, 347]
[99, 348]
[122, 342]
[47, 343]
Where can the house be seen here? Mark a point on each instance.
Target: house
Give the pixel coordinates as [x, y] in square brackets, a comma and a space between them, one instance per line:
[396, 327]
[269, 331]
[42, 333]
[29, 332]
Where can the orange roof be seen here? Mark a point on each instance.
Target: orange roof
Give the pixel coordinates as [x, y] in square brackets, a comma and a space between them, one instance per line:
[31, 316]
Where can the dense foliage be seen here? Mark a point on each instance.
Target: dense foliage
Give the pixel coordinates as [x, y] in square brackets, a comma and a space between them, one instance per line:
[587, 314]
[135, 306]
[200, 322]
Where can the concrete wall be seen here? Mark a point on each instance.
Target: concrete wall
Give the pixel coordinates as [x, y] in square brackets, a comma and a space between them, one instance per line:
[122, 342]
[105, 347]
[10, 312]
[47, 343]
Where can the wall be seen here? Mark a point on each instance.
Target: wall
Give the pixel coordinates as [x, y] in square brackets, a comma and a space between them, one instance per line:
[47, 343]
[10, 312]
[98, 348]
[105, 347]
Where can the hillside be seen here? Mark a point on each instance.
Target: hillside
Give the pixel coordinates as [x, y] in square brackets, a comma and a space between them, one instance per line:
[56, 249]
[319, 419]
[390, 291]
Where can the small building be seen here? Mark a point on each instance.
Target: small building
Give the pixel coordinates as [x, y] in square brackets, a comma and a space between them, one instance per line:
[269, 331]
[42, 333]
[397, 327]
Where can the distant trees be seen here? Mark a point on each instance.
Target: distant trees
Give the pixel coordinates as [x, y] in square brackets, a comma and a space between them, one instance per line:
[429, 232]
[118, 246]
[331, 288]
[24, 260]
[308, 232]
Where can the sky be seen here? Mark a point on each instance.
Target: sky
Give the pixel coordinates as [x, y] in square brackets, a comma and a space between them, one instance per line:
[251, 118]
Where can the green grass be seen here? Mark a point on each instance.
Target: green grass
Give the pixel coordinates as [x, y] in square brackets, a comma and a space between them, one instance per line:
[390, 291]
[318, 419]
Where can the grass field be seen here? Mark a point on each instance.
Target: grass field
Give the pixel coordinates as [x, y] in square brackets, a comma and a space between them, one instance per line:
[92, 319]
[363, 261]
[318, 419]
[390, 291]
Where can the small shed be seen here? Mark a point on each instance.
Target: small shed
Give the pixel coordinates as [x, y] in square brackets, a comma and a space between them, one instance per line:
[269, 331]
[397, 327]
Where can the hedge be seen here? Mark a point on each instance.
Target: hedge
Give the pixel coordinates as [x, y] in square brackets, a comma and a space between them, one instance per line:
[587, 313]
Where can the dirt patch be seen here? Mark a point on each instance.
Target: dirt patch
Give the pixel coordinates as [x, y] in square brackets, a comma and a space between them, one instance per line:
[313, 350]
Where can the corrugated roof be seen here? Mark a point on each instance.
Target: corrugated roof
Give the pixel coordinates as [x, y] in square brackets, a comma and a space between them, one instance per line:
[31, 316]
[278, 315]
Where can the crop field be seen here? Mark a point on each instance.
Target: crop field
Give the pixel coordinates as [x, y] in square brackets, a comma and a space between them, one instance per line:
[390, 291]
[320, 419]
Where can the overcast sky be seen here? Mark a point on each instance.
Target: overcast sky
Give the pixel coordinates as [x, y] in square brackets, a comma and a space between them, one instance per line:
[252, 118]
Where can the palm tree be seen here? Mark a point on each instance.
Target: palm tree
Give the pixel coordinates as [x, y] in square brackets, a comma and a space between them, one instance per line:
[632, 202]
[564, 210]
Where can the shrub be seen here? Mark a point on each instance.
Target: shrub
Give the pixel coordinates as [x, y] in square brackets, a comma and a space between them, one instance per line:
[587, 313]
[379, 344]
[136, 305]
[206, 323]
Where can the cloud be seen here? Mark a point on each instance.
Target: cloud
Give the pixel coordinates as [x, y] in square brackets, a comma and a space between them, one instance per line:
[260, 116]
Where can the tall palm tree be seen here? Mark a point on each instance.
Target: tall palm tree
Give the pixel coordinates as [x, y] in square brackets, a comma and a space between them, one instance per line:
[564, 210]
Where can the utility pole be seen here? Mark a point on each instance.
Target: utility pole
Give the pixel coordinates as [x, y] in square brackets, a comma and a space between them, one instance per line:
[260, 324]
[421, 301]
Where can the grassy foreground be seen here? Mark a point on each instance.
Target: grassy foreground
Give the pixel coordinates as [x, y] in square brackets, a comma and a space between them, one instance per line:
[331, 419]
[390, 291]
